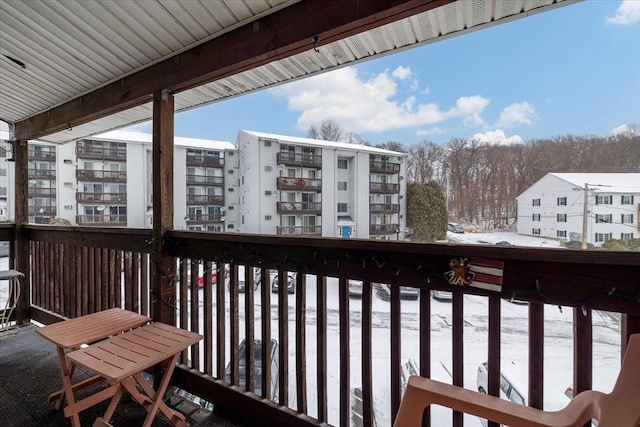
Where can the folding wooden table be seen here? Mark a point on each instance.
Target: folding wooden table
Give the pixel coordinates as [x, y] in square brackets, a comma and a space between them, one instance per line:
[71, 334]
[121, 361]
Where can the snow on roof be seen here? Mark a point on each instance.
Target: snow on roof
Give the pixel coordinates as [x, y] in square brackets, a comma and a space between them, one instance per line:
[318, 142]
[128, 136]
[608, 182]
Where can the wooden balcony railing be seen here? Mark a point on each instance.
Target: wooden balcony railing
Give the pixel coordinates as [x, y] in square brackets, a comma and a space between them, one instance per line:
[379, 166]
[112, 198]
[329, 343]
[47, 156]
[384, 208]
[100, 175]
[299, 159]
[301, 230]
[205, 180]
[383, 188]
[203, 160]
[197, 199]
[380, 229]
[42, 173]
[311, 184]
[107, 153]
[102, 220]
[42, 210]
[197, 219]
[42, 192]
[299, 207]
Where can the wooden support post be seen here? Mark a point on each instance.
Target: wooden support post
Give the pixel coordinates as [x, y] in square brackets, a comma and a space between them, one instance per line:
[21, 252]
[164, 290]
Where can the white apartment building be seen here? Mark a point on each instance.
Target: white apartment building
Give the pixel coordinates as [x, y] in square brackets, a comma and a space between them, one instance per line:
[106, 180]
[308, 187]
[555, 205]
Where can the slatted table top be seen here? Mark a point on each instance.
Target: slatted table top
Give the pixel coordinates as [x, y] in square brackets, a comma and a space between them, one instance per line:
[124, 355]
[88, 329]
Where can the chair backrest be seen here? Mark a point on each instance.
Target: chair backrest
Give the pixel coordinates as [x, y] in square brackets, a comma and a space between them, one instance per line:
[622, 406]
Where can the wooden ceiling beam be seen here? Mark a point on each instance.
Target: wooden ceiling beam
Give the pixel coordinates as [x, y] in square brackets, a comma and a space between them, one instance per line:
[274, 37]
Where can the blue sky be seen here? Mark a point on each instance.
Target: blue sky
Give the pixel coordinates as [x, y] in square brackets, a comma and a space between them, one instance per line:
[573, 70]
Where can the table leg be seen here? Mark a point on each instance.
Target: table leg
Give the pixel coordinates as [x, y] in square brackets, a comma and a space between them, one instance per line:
[112, 405]
[157, 401]
[175, 417]
[67, 391]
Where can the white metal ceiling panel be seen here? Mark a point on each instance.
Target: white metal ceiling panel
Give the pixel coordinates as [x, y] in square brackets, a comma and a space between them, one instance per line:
[69, 48]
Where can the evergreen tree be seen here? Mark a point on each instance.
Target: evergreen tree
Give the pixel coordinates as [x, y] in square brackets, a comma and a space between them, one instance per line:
[426, 211]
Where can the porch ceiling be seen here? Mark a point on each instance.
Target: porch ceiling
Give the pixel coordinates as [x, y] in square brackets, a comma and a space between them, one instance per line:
[71, 69]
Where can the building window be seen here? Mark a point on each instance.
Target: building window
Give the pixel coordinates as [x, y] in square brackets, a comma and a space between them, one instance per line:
[229, 225]
[604, 218]
[561, 233]
[562, 217]
[562, 201]
[216, 228]
[342, 207]
[267, 168]
[230, 171]
[230, 190]
[536, 202]
[267, 193]
[342, 164]
[536, 217]
[626, 200]
[603, 237]
[626, 219]
[626, 236]
[604, 200]
[267, 217]
[342, 185]
[535, 231]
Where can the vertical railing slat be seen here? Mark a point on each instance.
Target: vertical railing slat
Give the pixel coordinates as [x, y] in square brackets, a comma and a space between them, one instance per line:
[457, 350]
[194, 312]
[249, 325]
[208, 317]
[345, 392]
[321, 337]
[234, 325]
[582, 350]
[283, 336]
[301, 347]
[86, 282]
[536, 354]
[265, 314]
[221, 326]
[396, 347]
[367, 370]
[145, 285]
[493, 350]
[425, 345]
[187, 269]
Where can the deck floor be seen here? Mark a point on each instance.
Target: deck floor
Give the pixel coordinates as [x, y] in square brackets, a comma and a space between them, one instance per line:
[29, 372]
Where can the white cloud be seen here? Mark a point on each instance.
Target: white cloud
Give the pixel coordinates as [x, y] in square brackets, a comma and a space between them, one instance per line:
[433, 131]
[623, 129]
[497, 137]
[627, 13]
[370, 105]
[401, 72]
[521, 113]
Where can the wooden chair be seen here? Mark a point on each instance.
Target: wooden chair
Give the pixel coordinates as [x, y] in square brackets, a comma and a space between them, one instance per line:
[620, 408]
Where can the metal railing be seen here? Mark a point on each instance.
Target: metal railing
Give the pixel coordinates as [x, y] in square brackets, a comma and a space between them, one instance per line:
[286, 183]
[299, 159]
[299, 207]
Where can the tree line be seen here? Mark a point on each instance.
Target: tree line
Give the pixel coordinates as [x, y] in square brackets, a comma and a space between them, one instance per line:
[481, 181]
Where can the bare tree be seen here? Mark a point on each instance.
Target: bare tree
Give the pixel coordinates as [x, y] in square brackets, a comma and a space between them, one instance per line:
[424, 162]
[354, 138]
[329, 130]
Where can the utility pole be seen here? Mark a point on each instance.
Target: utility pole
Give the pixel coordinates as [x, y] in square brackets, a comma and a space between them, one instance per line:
[585, 215]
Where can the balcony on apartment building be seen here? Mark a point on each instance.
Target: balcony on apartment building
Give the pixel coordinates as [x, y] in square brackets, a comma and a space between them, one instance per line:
[299, 207]
[86, 151]
[379, 166]
[42, 192]
[102, 220]
[201, 219]
[204, 199]
[381, 229]
[205, 180]
[205, 160]
[299, 230]
[41, 211]
[299, 159]
[383, 188]
[112, 198]
[42, 173]
[384, 208]
[100, 175]
[311, 184]
[42, 155]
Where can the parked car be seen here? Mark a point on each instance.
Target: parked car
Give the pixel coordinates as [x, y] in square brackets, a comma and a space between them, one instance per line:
[242, 281]
[455, 227]
[503, 243]
[513, 386]
[242, 368]
[291, 283]
[214, 275]
[355, 288]
[441, 295]
[407, 292]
